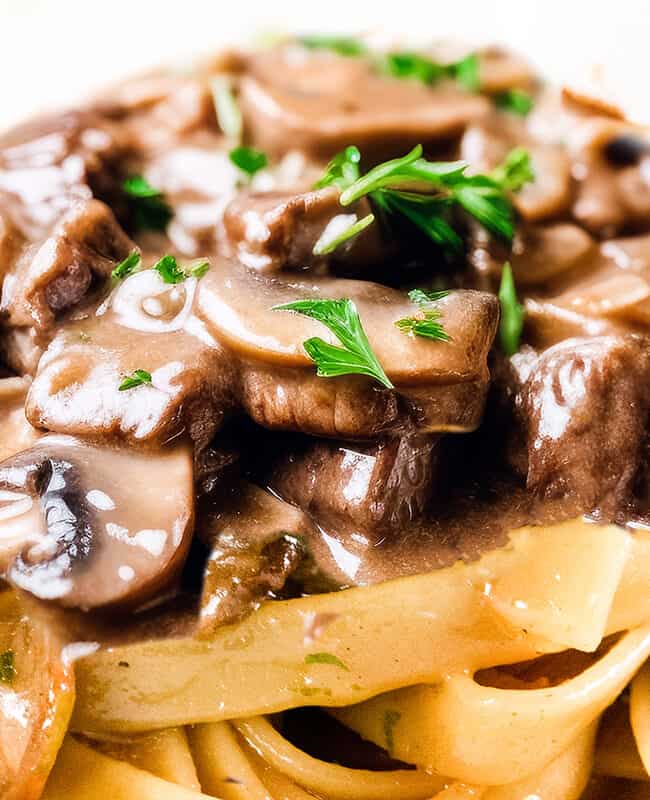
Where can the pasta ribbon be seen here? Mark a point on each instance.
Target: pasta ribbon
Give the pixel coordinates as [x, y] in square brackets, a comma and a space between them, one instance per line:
[495, 736]
[409, 631]
[81, 773]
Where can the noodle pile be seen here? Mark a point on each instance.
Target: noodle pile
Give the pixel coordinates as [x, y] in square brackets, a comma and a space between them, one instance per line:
[397, 663]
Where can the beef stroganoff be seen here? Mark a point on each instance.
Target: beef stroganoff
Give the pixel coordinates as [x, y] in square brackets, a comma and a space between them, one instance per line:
[324, 464]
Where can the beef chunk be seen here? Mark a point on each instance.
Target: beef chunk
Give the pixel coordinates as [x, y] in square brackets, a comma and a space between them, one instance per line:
[268, 231]
[379, 487]
[581, 409]
[56, 275]
[319, 102]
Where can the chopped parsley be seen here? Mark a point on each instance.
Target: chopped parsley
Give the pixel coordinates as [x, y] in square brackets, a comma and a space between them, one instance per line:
[355, 355]
[225, 105]
[326, 658]
[150, 211]
[343, 45]
[391, 718]
[248, 160]
[407, 65]
[137, 378]
[126, 267]
[512, 313]
[342, 170]
[424, 192]
[423, 298]
[327, 242]
[7, 666]
[427, 324]
[516, 101]
[171, 272]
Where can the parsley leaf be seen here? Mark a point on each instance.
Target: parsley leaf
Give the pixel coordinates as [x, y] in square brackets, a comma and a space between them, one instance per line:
[326, 658]
[136, 378]
[7, 666]
[225, 105]
[418, 67]
[126, 267]
[150, 211]
[343, 45]
[428, 324]
[423, 191]
[423, 298]
[342, 170]
[248, 160]
[391, 718]
[515, 171]
[467, 72]
[517, 101]
[413, 65]
[355, 356]
[171, 272]
[512, 313]
[327, 242]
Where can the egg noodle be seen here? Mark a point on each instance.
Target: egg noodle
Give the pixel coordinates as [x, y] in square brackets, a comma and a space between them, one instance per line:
[418, 665]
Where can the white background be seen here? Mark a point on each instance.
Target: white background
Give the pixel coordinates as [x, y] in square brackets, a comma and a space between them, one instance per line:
[54, 51]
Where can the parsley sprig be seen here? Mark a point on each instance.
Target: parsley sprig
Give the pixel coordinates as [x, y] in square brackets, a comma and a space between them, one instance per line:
[248, 160]
[342, 170]
[423, 192]
[416, 66]
[170, 271]
[516, 101]
[343, 45]
[512, 313]
[427, 324]
[138, 377]
[150, 210]
[355, 356]
[328, 243]
[130, 264]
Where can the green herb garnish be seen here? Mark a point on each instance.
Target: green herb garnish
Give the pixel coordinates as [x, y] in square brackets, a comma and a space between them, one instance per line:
[515, 172]
[428, 324]
[424, 191]
[423, 298]
[516, 101]
[343, 45]
[327, 244]
[126, 267]
[391, 718]
[418, 67]
[7, 666]
[171, 272]
[225, 105]
[342, 170]
[150, 211]
[248, 160]
[355, 356]
[137, 378]
[512, 313]
[326, 658]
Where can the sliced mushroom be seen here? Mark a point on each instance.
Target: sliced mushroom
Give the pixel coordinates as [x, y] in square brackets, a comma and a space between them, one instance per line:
[610, 292]
[88, 527]
[613, 177]
[36, 697]
[487, 142]
[239, 353]
[501, 69]
[319, 102]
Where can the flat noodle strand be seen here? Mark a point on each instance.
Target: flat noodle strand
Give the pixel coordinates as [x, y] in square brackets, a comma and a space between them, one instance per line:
[331, 780]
